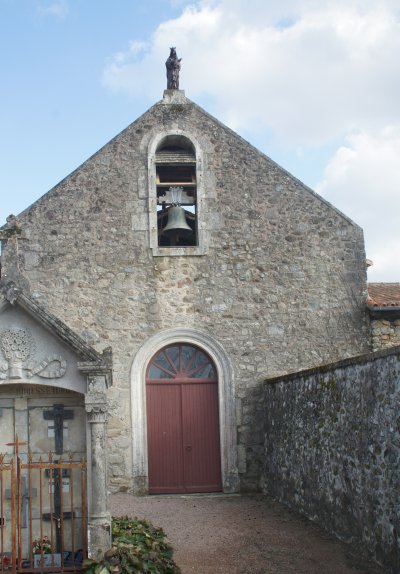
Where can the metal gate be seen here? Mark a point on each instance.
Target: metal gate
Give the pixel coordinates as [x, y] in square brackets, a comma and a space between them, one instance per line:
[43, 514]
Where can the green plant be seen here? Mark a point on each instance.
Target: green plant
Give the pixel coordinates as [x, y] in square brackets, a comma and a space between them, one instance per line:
[137, 548]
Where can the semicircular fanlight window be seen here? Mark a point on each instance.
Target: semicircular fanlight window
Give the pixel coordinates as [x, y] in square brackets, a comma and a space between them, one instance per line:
[181, 361]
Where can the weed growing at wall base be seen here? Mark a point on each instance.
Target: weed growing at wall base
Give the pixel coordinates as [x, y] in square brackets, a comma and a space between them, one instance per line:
[137, 548]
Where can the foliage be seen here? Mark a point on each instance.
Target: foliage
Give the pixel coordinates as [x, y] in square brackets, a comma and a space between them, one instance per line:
[12, 227]
[137, 548]
[7, 233]
[41, 546]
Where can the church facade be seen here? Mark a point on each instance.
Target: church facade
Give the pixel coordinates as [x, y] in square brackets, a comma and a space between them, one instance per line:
[206, 268]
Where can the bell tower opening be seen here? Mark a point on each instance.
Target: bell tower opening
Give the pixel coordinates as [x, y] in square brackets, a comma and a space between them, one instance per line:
[176, 192]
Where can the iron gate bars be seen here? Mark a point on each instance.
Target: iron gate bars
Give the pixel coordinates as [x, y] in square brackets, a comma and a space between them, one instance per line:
[43, 514]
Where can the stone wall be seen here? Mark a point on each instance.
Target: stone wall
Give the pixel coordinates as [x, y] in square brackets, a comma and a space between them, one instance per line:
[281, 283]
[385, 333]
[332, 441]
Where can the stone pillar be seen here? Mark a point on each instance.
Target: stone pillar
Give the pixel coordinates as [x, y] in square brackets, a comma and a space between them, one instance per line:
[99, 521]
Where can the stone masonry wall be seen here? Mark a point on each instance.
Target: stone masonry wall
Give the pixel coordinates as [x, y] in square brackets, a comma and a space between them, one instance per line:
[332, 442]
[282, 286]
[385, 333]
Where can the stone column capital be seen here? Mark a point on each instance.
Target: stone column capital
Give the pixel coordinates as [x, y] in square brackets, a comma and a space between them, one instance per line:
[96, 407]
[96, 398]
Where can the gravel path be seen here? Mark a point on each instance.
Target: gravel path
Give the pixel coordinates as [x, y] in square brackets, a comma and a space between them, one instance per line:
[219, 534]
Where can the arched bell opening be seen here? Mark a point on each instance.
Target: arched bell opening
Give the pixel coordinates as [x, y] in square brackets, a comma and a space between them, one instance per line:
[176, 190]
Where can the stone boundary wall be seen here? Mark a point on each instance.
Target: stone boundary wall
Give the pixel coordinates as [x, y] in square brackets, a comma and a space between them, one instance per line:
[332, 445]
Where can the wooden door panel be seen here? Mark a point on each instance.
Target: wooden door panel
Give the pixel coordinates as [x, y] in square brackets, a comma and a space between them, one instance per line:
[183, 421]
[200, 431]
[164, 438]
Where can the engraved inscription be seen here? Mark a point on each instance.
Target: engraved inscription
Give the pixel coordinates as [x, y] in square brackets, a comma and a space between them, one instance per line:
[29, 390]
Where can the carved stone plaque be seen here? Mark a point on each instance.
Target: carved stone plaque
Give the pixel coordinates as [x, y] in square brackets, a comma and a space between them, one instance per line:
[17, 346]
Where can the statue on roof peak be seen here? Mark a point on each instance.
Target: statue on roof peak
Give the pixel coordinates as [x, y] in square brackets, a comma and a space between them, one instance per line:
[173, 65]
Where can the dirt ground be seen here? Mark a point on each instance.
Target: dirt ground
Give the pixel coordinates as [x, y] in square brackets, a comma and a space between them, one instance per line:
[235, 534]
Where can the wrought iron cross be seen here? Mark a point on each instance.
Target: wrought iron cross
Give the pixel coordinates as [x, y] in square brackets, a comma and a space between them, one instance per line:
[59, 415]
[17, 444]
[57, 517]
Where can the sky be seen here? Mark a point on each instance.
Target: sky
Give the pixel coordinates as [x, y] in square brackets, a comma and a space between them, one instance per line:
[313, 84]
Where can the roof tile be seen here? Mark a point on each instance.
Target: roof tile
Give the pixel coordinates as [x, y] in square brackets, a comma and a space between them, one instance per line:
[383, 295]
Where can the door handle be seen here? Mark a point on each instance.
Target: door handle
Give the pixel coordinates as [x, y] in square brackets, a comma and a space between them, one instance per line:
[188, 448]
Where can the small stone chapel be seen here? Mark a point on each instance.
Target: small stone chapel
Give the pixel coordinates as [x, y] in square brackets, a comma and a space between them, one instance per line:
[148, 295]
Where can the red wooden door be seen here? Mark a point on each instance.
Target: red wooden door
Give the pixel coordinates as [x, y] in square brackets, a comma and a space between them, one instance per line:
[182, 422]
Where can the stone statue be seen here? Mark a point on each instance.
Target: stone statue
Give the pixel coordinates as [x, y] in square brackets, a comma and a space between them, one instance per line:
[173, 66]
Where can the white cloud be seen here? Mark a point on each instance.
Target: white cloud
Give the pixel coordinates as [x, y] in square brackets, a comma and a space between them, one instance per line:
[363, 180]
[311, 70]
[58, 9]
[123, 68]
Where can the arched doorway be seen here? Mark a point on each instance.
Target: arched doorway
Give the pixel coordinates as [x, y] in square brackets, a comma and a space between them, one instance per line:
[183, 421]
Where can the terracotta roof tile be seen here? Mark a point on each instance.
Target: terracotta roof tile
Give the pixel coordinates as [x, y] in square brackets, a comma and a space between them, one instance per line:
[383, 295]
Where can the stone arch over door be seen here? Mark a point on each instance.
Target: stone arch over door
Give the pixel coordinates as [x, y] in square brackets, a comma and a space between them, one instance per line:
[226, 397]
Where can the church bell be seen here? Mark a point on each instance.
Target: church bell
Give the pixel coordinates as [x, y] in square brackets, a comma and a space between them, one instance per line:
[177, 224]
